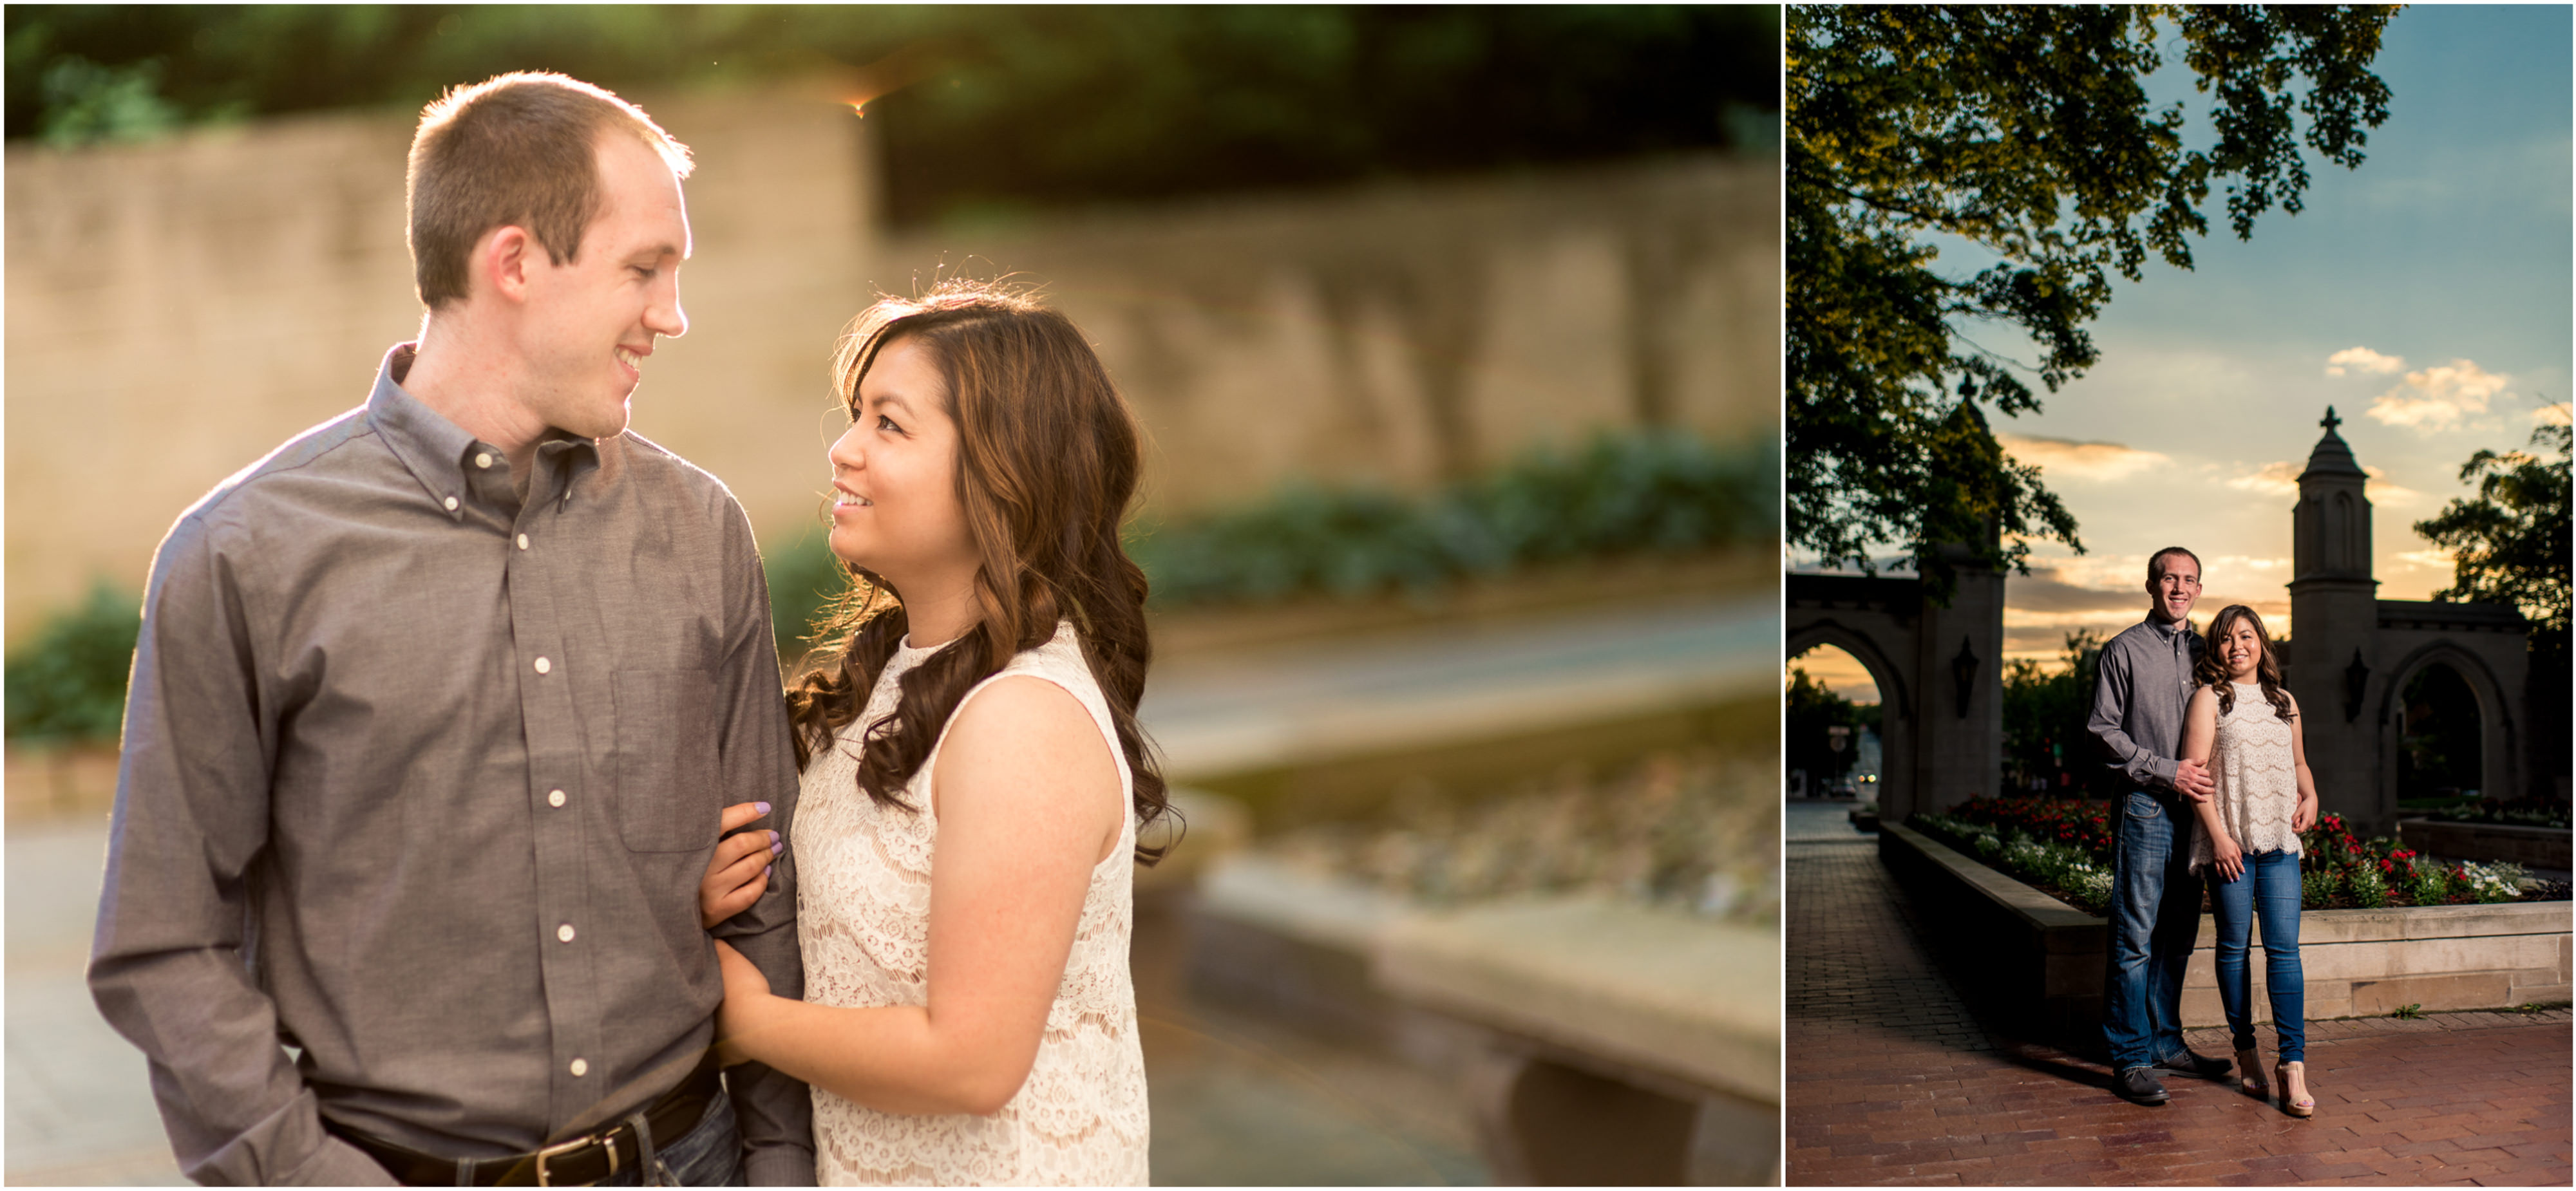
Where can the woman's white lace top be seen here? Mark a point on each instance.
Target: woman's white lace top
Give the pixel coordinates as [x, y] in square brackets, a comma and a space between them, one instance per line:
[863, 915]
[2258, 782]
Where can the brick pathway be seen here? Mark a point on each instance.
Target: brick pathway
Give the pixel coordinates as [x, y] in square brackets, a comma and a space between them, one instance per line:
[1893, 1079]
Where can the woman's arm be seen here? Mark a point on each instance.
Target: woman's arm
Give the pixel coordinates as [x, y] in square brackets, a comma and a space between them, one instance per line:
[2199, 739]
[1028, 802]
[2306, 816]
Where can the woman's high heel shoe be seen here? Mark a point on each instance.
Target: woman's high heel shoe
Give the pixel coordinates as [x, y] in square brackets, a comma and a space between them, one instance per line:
[2293, 1079]
[2249, 1068]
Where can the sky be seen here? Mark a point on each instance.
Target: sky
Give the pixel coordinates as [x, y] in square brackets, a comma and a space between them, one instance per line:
[2425, 296]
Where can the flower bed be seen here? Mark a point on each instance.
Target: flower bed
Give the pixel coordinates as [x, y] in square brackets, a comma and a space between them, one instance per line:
[2042, 958]
[2064, 847]
[1691, 829]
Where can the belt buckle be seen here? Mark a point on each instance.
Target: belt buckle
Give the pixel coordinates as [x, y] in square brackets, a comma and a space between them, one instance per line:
[558, 1150]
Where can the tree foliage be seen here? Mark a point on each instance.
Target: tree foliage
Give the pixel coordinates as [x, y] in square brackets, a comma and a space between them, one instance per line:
[2046, 710]
[2027, 131]
[2509, 546]
[1811, 708]
[998, 106]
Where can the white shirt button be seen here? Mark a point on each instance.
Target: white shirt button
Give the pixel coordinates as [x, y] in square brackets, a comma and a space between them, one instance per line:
[451, 503]
[482, 460]
[580, 1067]
[523, 541]
[544, 666]
[554, 798]
[564, 932]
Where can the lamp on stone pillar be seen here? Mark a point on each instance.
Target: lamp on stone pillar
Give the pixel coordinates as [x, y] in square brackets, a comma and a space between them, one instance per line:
[2355, 677]
[1963, 670]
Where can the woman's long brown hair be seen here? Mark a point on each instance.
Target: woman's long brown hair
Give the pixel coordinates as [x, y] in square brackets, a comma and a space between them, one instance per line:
[1047, 461]
[2212, 667]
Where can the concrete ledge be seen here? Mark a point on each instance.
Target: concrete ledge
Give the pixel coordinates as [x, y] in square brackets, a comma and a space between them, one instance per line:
[1600, 1041]
[2040, 956]
[2530, 847]
[1654, 989]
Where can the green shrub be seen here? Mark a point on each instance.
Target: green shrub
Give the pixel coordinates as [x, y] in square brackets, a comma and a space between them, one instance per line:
[2368, 890]
[1625, 493]
[804, 578]
[2430, 884]
[67, 683]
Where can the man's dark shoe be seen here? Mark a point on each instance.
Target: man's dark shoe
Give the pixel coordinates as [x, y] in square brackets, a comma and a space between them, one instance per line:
[2188, 1063]
[2138, 1085]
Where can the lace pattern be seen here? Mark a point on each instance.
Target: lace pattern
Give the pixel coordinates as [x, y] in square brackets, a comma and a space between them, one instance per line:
[2258, 780]
[863, 915]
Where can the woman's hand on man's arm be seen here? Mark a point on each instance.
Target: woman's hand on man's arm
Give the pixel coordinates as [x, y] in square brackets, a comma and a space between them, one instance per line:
[738, 872]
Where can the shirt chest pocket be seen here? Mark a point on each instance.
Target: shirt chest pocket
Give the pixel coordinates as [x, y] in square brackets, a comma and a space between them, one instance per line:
[667, 797]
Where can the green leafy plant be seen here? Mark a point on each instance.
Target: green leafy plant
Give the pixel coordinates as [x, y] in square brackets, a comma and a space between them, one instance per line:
[2337, 868]
[1624, 493]
[2075, 873]
[67, 682]
[2408, 1011]
[2367, 888]
[804, 579]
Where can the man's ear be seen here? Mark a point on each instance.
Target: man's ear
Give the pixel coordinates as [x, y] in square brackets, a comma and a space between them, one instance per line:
[503, 258]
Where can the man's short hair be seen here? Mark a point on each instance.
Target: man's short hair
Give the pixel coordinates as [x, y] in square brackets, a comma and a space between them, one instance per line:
[516, 149]
[2156, 562]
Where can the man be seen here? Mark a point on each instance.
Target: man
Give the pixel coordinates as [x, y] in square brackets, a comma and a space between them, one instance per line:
[432, 718]
[2145, 684]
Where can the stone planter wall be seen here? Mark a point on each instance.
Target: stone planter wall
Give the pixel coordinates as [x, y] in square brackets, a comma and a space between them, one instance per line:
[1599, 1042]
[2042, 957]
[2530, 847]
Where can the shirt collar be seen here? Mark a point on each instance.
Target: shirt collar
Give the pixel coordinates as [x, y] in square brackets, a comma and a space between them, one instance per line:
[432, 448]
[438, 452]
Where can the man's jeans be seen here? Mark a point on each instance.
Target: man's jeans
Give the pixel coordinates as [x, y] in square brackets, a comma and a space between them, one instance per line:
[2155, 915]
[2269, 886]
[709, 1155]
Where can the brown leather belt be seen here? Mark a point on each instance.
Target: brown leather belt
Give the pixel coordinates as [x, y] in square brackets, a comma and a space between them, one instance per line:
[582, 1161]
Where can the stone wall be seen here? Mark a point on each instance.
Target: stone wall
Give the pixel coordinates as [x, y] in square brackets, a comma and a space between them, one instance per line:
[2040, 956]
[177, 309]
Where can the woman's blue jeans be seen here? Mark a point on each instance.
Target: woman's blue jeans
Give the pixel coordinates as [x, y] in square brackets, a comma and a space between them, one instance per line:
[2269, 886]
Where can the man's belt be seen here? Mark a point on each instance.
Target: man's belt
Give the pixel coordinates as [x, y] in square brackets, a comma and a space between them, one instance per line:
[584, 1160]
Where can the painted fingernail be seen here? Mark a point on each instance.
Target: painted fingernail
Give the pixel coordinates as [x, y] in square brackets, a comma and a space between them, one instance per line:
[764, 807]
[771, 869]
[775, 844]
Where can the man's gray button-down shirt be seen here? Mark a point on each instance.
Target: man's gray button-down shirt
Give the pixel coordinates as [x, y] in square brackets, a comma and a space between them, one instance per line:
[2143, 687]
[419, 779]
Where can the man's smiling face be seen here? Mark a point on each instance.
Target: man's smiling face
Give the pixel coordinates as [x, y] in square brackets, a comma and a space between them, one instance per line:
[594, 318]
[2175, 587]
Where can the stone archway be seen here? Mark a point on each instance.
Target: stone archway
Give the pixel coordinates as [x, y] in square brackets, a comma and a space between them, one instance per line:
[1869, 644]
[2499, 734]
[1939, 672]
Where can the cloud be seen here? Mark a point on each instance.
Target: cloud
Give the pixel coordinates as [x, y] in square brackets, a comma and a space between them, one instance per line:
[2382, 492]
[2106, 593]
[2281, 479]
[2066, 459]
[1838, 671]
[2362, 359]
[2553, 414]
[2428, 560]
[2437, 398]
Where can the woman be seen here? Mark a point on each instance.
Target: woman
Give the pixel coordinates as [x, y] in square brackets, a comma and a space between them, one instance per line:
[2245, 729]
[973, 777]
